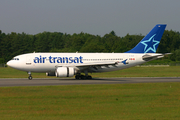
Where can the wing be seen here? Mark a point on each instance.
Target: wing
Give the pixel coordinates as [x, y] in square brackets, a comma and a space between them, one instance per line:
[94, 66]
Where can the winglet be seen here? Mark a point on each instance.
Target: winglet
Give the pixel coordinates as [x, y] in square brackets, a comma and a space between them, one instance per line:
[150, 42]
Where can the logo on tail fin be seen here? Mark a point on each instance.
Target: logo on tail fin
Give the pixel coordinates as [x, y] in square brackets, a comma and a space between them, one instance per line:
[150, 44]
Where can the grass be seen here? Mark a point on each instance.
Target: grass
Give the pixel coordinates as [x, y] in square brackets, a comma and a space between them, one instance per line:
[120, 101]
[171, 71]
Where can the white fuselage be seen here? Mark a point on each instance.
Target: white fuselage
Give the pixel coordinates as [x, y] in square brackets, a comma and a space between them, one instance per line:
[48, 62]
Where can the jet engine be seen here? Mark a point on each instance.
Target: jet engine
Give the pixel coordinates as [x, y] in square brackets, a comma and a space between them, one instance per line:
[65, 72]
[50, 74]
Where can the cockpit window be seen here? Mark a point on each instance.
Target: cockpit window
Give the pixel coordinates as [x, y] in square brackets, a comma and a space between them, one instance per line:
[15, 59]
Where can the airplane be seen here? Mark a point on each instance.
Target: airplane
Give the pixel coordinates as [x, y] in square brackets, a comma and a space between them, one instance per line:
[70, 64]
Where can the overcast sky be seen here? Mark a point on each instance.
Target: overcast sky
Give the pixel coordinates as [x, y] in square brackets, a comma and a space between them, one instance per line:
[96, 17]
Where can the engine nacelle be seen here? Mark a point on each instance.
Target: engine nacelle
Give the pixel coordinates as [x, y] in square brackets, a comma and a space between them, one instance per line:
[65, 72]
[50, 74]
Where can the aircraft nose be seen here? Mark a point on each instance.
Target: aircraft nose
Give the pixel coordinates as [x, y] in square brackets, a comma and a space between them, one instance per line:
[9, 63]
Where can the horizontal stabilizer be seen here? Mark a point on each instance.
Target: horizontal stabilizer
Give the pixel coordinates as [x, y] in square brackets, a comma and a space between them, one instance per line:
[149, 57]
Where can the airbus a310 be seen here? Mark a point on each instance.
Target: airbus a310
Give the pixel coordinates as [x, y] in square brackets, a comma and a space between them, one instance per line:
[70, 64]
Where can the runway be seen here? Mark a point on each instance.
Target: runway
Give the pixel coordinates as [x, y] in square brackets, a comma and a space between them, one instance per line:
[71, 81]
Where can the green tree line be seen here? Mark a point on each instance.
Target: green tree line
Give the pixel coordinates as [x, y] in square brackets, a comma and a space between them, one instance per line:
[20, 43]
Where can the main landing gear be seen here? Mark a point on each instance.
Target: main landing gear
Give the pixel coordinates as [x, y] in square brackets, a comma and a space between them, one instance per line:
[83, 77]
[30, 77]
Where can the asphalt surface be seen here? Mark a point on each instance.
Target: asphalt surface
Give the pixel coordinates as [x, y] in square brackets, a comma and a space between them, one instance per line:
[71, 81]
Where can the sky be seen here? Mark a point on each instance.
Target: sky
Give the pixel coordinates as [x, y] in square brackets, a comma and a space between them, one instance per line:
[97, 17]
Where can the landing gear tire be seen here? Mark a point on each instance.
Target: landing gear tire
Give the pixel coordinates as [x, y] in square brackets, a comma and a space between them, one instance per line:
[77, 77]
[82, 77]
[30, 77]
[89, 77]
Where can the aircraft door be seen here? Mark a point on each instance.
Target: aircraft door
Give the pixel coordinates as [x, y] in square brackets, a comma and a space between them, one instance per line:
[28, 60]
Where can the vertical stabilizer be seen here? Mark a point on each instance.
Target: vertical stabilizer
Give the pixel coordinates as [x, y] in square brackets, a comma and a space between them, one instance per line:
[150, 42]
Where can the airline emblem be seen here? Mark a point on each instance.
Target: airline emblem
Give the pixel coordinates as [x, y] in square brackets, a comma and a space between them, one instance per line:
[58, 59]
[148, 44]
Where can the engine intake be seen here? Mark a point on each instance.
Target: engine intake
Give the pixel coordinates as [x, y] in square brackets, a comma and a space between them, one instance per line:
[65, 72]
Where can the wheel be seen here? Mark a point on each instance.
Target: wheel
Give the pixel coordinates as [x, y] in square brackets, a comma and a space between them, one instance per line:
[30, 77]
[82, 77]
[77, 76]
[89, 77]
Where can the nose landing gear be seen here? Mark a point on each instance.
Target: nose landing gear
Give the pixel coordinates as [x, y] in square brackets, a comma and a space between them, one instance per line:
[30, 77]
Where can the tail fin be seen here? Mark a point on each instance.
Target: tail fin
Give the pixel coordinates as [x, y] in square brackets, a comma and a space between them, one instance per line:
[150, 42]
